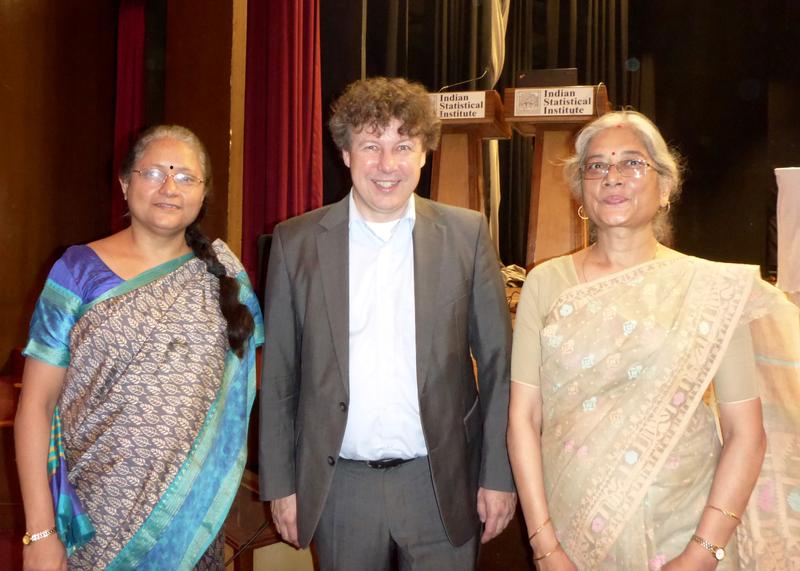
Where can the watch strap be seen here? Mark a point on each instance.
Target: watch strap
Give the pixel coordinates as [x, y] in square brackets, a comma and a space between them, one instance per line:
[717, 551]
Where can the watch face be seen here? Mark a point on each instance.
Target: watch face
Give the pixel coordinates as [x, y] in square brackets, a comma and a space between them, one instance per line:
[26, 539]
[719, 553]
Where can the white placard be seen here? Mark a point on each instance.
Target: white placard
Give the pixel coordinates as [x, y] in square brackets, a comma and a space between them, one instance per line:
[460, 105]
[554, 101]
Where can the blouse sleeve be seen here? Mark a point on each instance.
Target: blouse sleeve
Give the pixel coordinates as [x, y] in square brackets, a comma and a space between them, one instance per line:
[736, 379]
[526, 356]
[54, 316]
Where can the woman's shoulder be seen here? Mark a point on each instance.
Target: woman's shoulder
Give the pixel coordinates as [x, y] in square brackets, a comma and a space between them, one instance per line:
[738, 269]
[546, 281]
[77, 254]
[76, 261]
[555, 270]
[83, 272]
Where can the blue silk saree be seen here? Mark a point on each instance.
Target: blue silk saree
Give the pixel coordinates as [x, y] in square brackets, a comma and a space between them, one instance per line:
[154, 408]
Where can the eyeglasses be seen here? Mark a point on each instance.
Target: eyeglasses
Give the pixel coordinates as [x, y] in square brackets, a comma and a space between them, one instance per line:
[156, 177]
[635, 168]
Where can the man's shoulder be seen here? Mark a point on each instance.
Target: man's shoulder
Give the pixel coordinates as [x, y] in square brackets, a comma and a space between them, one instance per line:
[448, 213]
[312, 220]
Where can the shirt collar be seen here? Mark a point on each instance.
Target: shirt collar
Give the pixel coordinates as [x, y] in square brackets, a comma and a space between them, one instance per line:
[409, 214]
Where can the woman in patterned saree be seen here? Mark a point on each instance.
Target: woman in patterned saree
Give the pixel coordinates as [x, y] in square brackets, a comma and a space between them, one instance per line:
[629, 359]
[141, 353]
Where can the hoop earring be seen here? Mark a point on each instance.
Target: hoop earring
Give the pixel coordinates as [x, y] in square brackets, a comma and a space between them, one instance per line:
[582, 213]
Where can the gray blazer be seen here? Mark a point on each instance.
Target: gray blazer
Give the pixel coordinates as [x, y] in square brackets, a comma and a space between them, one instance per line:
[460, 307]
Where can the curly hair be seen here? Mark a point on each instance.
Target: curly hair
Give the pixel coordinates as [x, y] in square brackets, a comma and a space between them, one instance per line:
[667, 162]
[372, 104]
[238, 317]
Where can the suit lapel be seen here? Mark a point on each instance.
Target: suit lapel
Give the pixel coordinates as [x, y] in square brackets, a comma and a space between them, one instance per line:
[333, 256]
[429, 236]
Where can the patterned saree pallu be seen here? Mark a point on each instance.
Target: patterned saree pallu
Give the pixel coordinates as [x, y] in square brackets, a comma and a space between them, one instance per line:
[629, 446]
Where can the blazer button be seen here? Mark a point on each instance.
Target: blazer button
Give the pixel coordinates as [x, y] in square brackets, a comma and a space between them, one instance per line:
[342, 406]
[331, 461]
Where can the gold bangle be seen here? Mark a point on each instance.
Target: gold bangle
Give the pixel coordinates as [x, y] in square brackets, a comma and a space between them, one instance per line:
[549, 553]
[724, 511]
[538, 529]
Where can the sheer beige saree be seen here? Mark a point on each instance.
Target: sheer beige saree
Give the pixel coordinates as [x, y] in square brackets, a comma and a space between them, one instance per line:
[629, 446]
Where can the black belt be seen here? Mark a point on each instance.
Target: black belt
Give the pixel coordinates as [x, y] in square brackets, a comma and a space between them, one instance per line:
[385, 463]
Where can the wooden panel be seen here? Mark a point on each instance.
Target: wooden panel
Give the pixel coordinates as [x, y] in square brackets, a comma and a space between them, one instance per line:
[450, 170]
[236, 170]
[554, 227]
[57, 101]
[12, 515]
[197, 88]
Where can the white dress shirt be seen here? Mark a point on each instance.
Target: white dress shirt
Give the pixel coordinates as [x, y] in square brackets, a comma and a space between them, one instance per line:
[383, 419]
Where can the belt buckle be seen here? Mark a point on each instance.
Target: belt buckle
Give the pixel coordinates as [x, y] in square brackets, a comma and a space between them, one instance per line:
[385, 463]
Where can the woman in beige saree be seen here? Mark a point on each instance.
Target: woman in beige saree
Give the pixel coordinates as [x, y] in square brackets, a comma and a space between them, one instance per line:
[614, 435]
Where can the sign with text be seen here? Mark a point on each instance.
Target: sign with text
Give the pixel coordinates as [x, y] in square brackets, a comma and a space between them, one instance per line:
[554, 101]
[460, 105]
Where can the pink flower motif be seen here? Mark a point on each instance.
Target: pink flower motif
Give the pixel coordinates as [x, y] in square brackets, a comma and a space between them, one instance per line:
[657, 562]
[672, 463]
[569, 446]
[678, 398]
[582, 452]
[598, 524]
[766, 497]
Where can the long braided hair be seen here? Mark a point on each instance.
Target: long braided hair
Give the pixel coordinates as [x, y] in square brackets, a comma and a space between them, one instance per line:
[238, 317]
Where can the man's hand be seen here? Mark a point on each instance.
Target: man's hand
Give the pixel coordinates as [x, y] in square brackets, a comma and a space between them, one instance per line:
[284, 514]
[495, 510]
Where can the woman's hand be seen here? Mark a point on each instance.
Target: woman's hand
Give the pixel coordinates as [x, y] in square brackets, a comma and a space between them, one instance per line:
[47, 554]
[691, 560]
[558, 561]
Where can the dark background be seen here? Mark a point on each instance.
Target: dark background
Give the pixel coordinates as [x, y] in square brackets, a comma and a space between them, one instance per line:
[726, 85]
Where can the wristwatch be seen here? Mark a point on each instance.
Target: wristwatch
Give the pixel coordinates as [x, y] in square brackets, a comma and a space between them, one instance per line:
[715, 550]
[29, 538]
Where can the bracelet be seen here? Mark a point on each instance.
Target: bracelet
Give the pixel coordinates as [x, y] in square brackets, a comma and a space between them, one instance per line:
[29, 538]
[538, 529]
[724, 511]
[549, 553]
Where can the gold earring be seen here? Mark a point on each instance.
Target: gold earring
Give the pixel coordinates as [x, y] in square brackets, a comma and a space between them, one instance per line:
[666, 209]
[582, 213]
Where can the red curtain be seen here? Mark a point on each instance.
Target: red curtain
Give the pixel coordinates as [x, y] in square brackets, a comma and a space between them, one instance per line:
[283, 118]
[130, 94]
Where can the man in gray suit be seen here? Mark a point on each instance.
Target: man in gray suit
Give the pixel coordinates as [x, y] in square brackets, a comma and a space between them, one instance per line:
[375, 438]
